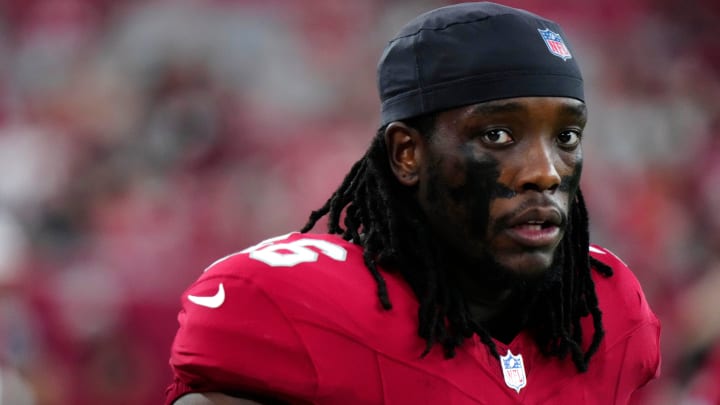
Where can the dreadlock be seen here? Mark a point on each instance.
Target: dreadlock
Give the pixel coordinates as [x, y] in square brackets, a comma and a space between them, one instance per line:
[382, 217]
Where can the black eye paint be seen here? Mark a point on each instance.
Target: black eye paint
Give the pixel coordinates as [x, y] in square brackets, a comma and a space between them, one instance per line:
[481, 187]
[502, 191]
[571, 183]
[478, 175]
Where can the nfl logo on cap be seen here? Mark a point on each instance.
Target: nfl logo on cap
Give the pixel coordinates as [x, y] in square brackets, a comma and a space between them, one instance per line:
[513, 371]
[555, 44]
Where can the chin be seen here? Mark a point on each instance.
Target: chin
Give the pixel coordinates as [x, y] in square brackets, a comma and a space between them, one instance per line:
[528, 264]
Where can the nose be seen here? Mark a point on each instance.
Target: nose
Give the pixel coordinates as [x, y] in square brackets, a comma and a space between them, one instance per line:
[538, 170]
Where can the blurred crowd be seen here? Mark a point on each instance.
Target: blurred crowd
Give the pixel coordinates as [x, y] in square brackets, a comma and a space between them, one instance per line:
[142, 139]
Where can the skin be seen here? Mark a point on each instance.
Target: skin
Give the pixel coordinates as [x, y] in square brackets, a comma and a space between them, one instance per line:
[484, 168]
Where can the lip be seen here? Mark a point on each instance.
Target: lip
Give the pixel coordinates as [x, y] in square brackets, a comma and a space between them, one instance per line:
[535, 235]
[536, 227]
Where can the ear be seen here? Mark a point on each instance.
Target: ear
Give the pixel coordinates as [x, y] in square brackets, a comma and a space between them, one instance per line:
[405, 151]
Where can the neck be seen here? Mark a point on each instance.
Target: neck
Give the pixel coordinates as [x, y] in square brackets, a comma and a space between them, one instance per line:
[485, 298]
[498, 300]
[505, 317]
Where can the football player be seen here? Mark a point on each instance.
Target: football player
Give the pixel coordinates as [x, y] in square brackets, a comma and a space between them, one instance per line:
[457, 267]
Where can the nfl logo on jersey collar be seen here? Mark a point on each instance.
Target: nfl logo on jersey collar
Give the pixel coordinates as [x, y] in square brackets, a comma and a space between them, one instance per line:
[555, 44]
[513, 371]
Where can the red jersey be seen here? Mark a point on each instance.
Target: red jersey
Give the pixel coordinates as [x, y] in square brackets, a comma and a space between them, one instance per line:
[298, 317]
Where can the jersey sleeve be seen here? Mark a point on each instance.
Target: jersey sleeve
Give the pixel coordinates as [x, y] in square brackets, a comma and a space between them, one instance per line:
[233, 338]
[632, 329]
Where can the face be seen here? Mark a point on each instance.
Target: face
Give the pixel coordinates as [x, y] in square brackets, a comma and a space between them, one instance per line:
[496, 179]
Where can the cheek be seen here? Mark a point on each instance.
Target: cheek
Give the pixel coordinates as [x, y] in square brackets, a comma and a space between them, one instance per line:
[571, 182]
[474, 197]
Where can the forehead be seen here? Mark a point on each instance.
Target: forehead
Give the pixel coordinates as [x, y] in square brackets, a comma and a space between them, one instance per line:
[527, 107]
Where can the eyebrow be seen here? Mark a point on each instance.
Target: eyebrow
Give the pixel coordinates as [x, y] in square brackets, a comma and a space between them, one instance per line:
[578, 111]
[497, 107]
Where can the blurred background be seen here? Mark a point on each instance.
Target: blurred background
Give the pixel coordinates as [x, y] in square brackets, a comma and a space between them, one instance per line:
[142, 140]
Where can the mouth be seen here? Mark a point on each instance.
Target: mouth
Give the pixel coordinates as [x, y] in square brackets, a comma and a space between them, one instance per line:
[536, 227]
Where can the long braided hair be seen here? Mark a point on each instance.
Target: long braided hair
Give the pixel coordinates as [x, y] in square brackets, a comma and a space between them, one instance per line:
[382, 216]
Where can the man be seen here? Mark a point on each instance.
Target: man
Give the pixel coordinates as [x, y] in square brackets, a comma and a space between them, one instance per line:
[457, 268]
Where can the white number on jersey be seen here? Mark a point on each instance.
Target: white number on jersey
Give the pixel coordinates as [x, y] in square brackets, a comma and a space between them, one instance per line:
[289, 254]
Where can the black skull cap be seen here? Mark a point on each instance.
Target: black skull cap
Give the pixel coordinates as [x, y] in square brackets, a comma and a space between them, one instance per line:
[471, 53]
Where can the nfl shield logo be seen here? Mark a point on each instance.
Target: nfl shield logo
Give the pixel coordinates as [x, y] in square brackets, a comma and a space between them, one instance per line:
[513, 371]
[555, 44]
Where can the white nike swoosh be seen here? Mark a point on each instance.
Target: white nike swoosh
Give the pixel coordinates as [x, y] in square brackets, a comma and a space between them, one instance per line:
[213, 301]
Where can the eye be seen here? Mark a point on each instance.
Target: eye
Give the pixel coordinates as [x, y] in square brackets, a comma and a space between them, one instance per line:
[497, 136]
[569, 139]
